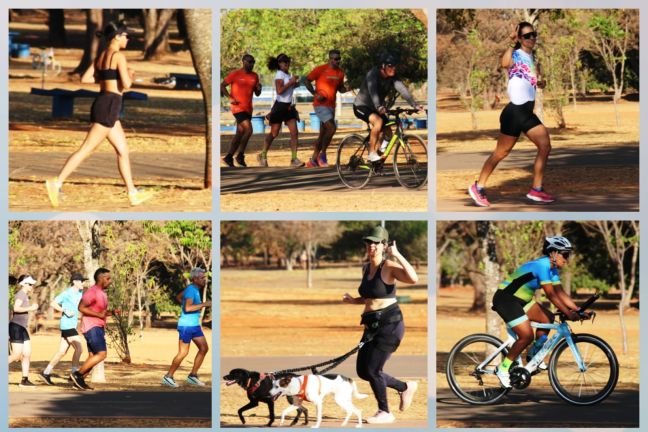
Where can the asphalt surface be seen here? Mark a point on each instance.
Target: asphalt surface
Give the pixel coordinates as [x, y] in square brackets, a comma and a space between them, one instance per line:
[565, 158]
[409, 366]
[539, 407]
[168, 404]
[167, 166]
[258, 179]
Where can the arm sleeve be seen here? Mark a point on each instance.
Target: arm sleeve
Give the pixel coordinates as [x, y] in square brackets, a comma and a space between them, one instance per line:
[229, 78]
[402, 90]
[89, 298]
[372, 86]
[555, 277]
[314, 74]
[59, 298]
[544, 274]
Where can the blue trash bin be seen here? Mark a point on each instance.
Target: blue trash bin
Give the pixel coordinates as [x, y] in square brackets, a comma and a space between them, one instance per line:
[22, 51]
[258, 124]
[314, 122]
[420, 123]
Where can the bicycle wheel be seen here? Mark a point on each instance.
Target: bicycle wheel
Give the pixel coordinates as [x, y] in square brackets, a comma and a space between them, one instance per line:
[587, 387]
[411, 162]
[478, 386]
[351, 163]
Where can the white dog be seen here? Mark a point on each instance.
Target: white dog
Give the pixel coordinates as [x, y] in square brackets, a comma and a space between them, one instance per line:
[313, 388]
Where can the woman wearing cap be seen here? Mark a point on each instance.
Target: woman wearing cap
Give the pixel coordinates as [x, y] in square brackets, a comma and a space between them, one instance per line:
[283, 110]
[18, 334]
[383, 320]
[114, 76]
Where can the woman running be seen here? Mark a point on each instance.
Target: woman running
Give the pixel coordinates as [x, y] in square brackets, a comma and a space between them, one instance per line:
[283, 110]
[18, 335]
[383, 320]
[518, 116]
[114, 76]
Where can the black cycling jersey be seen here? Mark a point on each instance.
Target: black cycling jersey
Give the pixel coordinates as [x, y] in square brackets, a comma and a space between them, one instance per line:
[375, 89]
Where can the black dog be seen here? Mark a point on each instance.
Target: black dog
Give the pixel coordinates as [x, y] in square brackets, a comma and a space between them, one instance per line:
[258, 386]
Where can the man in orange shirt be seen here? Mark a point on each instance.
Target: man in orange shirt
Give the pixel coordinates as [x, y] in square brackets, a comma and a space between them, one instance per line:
[329, 79]
[243, 83]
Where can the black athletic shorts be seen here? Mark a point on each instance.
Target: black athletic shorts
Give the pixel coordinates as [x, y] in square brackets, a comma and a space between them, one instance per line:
[510, 308]
[69, 332]
[17, 333]
[363, 112]
[282, 112]
[242, 116]
[105, 109]
[516, 119]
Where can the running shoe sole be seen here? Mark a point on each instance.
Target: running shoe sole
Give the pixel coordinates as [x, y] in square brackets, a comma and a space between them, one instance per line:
[140, 197]
[168, 383]
[46, 378]
[474, 198]
[539, 200]
[78, 384]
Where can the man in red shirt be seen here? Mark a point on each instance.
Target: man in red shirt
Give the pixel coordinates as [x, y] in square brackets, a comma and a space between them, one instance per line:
[94, 307]
[243, 83]
[329, 79]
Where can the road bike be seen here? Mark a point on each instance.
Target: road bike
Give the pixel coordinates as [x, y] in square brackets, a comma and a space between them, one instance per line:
[583, 369]
[409, 162]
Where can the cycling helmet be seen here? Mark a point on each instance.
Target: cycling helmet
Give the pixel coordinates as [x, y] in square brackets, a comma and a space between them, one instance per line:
[556, 243]
[389, 58]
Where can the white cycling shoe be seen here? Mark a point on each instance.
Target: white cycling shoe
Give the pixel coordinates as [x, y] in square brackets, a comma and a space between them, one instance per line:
[504, 377]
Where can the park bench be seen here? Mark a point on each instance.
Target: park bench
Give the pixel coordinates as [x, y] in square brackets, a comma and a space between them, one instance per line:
[185, 81]
[63, 99]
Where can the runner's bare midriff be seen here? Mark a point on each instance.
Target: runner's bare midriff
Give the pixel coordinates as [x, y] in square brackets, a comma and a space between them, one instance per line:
[377, 304]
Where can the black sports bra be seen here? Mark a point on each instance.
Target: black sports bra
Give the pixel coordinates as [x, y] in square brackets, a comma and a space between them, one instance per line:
[108, 74]
[375, 288]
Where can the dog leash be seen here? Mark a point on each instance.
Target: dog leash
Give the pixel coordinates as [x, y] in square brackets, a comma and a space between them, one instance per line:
[333, 362]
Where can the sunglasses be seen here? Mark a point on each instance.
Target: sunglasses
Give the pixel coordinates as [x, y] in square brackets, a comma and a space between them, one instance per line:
[336, 58]
[250, 61]
[565, 254]
[389, 65]
[530, 35]
[371, 242]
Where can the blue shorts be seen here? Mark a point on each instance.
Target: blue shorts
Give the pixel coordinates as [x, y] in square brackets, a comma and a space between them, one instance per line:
[96, 339]
[188, 333]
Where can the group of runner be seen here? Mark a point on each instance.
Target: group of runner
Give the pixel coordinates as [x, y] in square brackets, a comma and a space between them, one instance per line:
[92, 305]
[369, 104]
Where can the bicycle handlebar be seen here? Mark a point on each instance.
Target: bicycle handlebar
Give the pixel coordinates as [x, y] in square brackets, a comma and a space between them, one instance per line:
[400, 110]
[581, 309]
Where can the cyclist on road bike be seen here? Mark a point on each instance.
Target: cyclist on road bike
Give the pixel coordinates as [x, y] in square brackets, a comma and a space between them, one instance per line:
[514, 301]
[370, 104]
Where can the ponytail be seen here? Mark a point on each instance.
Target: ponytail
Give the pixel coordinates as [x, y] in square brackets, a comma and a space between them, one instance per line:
[273, 62]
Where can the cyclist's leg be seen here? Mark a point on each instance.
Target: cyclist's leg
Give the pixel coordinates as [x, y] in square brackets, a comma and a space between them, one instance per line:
[376, 125]
[540, 314]
[540, 137]
[524, 332]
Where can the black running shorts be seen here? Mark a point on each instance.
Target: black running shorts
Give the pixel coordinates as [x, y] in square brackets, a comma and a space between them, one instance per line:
[105, 109]
[242, 116]
[282, 112]
[516, 119]
[17, 333]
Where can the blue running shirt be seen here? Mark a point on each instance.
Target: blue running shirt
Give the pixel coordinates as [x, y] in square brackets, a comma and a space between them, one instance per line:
[69, 301]
[190, 319]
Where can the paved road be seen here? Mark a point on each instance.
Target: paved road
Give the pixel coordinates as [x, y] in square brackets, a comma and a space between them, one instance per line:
[257, 179]
[410, 366]
[110, 404]
[597, 158]
[24, 165]
[538, 407]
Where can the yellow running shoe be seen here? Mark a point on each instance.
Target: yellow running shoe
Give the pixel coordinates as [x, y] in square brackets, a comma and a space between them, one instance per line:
[53, 191]
[138, 197]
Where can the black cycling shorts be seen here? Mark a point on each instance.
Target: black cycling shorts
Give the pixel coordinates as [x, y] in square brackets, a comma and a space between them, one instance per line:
[510, 308]
[516, 119]
[17, 333]
[242, 116]
[105, 109]
[363, 112]
[281, 112]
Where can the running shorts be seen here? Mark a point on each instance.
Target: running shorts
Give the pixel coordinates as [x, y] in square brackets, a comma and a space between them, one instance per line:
[105, 109]
[516, 119]
[512, 309]
[324, 113]
[187, 333]
[242, 116]
[281, 112]
[96, 340]
[69, 333]
[17, 333]
[363, 112]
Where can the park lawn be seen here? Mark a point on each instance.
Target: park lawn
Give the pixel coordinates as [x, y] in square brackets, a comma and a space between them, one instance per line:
[453, 322]
[261, 310]
[151, 356]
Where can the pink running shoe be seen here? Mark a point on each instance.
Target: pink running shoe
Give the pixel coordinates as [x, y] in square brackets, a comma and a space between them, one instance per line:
[322, 161]
[479, 196]
[540, 196]
[310, 163]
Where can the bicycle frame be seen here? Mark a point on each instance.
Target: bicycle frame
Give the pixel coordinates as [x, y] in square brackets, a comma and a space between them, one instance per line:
[562, 332]
[396, 136]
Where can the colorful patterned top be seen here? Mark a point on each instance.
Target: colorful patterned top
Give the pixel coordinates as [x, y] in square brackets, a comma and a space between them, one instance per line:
[523, 78]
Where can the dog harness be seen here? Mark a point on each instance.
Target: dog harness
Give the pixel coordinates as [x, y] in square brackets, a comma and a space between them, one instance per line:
[302, 390]
[255, 387]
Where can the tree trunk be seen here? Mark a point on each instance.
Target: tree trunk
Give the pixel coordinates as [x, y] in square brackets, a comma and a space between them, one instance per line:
[156, 32]
[492, 275]
[94, 23]
[89, 233]
[56, 35]
[199, 32]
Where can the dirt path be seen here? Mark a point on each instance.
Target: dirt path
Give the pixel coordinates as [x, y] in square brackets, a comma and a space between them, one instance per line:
[163, 405]
[541, 408]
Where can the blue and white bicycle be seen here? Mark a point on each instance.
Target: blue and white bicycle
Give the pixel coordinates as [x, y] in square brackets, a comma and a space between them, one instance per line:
[583, 369]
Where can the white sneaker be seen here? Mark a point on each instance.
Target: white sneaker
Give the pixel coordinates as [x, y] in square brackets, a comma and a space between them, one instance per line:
[381, 417]
[504, 377]
[407, 396]
[193, 379]
[169, 382]
[373, 157]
